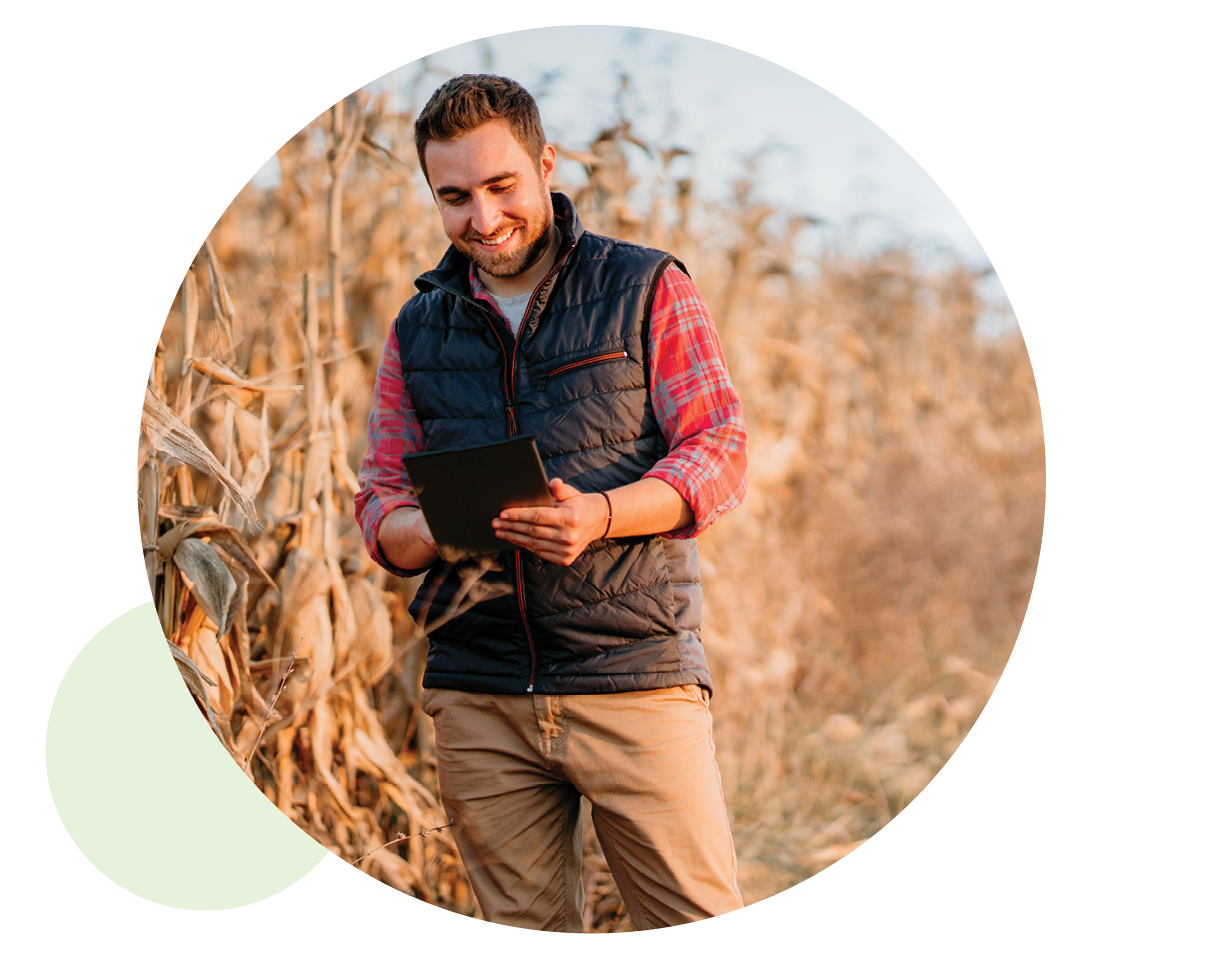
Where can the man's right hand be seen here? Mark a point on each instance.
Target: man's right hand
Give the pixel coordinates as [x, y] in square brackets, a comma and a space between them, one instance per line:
[405, 539]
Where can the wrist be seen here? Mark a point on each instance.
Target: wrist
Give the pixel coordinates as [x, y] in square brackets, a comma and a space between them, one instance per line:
[608, 516]
[404, 539]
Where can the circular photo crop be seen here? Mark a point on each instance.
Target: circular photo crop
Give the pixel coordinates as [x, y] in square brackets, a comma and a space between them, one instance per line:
[858, 532]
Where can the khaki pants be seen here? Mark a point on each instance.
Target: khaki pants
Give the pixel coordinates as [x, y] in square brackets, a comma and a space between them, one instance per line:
[512, 769]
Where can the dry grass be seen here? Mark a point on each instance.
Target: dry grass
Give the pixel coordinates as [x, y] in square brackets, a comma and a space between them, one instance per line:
[859, 606]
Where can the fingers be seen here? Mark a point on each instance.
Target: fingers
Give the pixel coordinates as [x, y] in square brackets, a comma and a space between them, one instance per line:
[552, 527]
[551, 550]
[558, 534]
[536, 517]
[544, 515]
[561, 491]
[514, 530]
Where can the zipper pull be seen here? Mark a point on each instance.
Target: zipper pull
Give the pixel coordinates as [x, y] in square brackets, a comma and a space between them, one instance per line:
[511, 418]
[529, 689]
[542, 382]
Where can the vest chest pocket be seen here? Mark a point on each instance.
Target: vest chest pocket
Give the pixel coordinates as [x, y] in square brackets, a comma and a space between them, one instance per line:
[541, 379]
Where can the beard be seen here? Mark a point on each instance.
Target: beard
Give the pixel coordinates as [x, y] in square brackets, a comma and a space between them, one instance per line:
[514, 262]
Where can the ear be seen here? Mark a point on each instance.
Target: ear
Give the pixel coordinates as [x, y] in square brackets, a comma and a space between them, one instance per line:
[548, 157]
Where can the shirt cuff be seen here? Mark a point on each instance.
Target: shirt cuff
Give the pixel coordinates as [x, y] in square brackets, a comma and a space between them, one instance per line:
[711, 488]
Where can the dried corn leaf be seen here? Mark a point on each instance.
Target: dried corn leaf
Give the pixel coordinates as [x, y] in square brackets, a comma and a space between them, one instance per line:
[188, 309]
[347, 723]
[318, 461]
[179, 512]
[239, 646]
[169, 434]
[211, 657]
[235, 546]
[322, 735]
[372, 648]
[219, 297]
[149, 493]
[284, 771]
[292, 423]
[344, 475]
[344, 622]
[375, 752]
[303, 578]
[194, 677]
[251, 433]
[309, 631]
[224, 374]
[212, 583]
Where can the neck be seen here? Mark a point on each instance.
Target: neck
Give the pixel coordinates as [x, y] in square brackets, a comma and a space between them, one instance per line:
[508, 286]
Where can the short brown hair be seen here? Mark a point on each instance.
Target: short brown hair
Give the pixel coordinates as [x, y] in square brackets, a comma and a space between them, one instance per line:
[467, 102]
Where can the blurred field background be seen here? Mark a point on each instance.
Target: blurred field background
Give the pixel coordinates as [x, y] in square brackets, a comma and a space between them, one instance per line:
[860, 605]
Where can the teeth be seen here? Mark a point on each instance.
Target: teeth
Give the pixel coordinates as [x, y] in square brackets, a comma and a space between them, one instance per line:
[502, 239]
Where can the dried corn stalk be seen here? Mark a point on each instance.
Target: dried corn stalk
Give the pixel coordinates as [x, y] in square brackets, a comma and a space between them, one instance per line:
[243, 598]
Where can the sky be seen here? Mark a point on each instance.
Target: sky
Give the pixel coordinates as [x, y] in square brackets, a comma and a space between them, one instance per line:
[817, 155]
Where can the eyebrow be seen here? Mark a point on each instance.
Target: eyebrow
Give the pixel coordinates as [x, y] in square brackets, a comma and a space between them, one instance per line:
[455, 190]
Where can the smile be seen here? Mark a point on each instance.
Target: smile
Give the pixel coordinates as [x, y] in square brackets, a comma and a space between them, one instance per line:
[500, 240]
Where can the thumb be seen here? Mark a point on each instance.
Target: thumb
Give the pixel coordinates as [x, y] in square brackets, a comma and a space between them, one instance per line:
[561, 491]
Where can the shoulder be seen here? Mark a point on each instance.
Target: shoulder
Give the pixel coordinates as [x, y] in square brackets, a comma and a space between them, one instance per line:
[614, 253]
[426, 307]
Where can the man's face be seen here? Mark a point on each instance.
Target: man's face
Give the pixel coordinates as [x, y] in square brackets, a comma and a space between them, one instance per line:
[495, 205]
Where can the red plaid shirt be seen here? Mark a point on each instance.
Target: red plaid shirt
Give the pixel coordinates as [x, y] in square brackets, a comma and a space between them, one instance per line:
[696, 407]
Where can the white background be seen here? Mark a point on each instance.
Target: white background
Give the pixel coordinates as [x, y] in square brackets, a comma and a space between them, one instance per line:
[1070, 138]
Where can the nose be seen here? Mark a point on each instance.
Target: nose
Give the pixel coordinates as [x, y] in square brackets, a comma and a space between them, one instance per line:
[487, 216]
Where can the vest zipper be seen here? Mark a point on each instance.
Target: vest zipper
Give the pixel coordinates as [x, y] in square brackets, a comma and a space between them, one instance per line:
[509, 399]
[509, 405]
[544, 378]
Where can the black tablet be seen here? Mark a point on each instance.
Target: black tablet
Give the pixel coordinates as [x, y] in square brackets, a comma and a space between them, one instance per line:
[461, 490]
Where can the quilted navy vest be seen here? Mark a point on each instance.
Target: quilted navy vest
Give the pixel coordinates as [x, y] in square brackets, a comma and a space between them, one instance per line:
[625, 615]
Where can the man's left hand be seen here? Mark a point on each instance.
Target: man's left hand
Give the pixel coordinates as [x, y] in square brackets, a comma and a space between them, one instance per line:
[557, 533]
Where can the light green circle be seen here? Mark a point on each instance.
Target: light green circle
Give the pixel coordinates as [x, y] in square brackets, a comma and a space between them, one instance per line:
[148, 793]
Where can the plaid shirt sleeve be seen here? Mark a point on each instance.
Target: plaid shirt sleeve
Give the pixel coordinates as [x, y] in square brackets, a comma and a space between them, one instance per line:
[695, 404]
[393, 431]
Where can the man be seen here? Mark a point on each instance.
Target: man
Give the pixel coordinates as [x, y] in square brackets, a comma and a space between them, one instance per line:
[578, 670]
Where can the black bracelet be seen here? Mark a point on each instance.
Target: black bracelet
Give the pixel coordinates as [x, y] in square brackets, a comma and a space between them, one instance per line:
[609, 526]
